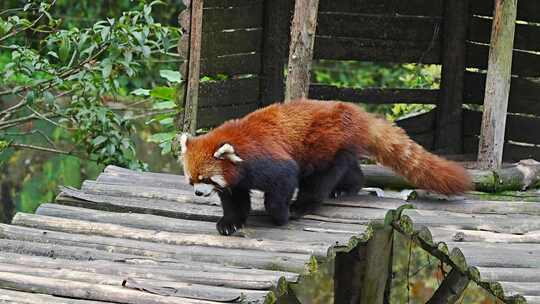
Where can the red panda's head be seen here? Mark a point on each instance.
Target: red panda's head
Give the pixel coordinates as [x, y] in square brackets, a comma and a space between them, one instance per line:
[208, 165]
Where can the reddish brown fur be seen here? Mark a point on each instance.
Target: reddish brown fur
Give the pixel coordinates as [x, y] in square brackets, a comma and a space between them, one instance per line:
[311, 132]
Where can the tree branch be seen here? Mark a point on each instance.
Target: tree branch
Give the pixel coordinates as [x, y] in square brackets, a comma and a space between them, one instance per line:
[50, 150]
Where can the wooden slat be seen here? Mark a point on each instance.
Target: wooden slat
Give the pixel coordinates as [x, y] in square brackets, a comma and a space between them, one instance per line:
[448, 125]
[277, 26]
[211, 117]
[219, 19]
[409, 28]
[237, 257]
[523, 64]
[527, 10]
[389, 7]
[174, 238]
[231, 42]
[228, 92]
[526, 36]
[511, 152]
[20, 297]
[190, 271]
[375, 96]
[515, 127]
[377, 50]
[239, 64]
[524, 93]
[418, 124]
[230, 3]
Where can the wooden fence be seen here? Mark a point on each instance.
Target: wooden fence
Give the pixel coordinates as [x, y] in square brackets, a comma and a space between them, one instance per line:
[244, 49]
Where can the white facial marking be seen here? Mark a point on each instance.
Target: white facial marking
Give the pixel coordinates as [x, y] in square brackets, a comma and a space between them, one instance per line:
[203, 189]
[220, 180]
[226, 151]
[183, 142]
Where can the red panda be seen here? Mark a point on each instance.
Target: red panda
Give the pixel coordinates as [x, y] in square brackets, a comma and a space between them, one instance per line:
[306, 144]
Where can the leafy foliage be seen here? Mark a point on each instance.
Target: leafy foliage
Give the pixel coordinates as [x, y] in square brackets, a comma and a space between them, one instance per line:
[64, 78]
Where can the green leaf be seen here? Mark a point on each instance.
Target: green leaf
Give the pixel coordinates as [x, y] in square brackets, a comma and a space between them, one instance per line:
[30, 97]
[141, 92]
[172, 76]
[162, 137]
[163, 93]
[166, 121]
[99, 140]
[164, 105]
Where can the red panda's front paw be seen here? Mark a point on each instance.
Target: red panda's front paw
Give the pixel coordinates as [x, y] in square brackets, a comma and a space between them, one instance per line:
[227, 226]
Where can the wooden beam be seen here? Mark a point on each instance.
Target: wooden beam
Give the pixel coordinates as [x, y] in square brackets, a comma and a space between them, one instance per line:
[448, 125]
[191, 102]
[451, 288]
[349, 273]
[303, 29]
[277, 14]
[378, 266]
[497, 85]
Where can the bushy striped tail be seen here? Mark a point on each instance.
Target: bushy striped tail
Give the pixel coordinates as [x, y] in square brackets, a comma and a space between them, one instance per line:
[392, 147]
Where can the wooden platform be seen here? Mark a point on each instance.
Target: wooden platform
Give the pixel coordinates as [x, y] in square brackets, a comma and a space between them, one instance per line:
[134, 237]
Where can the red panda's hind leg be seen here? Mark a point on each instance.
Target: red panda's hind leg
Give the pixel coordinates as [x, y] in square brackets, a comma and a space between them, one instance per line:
[317, 187]
[236, 205]
[350, 183]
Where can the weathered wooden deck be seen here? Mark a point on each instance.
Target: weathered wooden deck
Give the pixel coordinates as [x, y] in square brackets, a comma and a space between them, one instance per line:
[144, 238]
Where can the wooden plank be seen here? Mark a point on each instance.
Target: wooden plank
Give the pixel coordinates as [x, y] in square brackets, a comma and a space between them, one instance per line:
[175, 238]
[511, 152]
[378, 266]
[448, 124]
[303, 28]
[231, 3]
[451, 288]
[231, 65]
[408, 28]
[81, 290]
[186, 206]
[500, 255]
[418, 124]
[527, 10]
[342, 48]
[525, 36]
[191, 97]
[277, 16]
[228, 92]
[246, 258]
[20, 297]
[220, 19]
[523, 288]
[240, 41]
[375, 95]
[65, 252]
[166, 288]
[388, 7]
[349, 274]
[190, 272]
[254, 229]
[490, 151]
[462, 235]
[515, 124]
[524, 93]
[213, 116]
[510, 274]
[524, 64]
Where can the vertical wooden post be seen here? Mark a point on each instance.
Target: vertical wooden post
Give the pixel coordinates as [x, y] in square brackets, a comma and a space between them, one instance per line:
[378, 263]
[349, 273]
[277, 22]
[491, 147]
[301, 49]
[191, 100]
[448, 124]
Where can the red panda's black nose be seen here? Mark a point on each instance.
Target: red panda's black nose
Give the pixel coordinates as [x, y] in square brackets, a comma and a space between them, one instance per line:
[198, 193]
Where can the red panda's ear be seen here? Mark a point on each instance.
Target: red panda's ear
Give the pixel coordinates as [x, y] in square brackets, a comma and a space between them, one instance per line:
[226, 151]
[183, 139]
